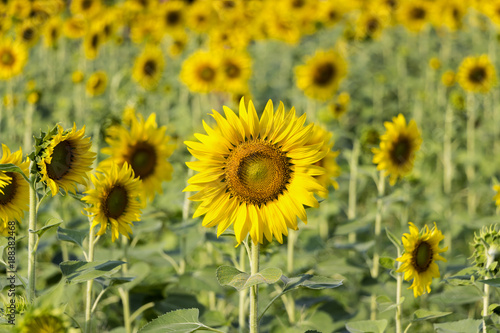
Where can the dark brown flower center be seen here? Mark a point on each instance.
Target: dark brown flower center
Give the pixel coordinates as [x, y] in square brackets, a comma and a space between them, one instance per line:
[94, 42]
[257, 172]
[62, 158]
[97, 84]
[150, 67]
[116, 202]
[417, 13]
[9, 191]
[372, 25]
[86, 4]
[324, 74]
[401, 150]
[207, 73]
[232, 71]
[143, 159]
[422, 256]
[477, 74]
[298, 3]
[7, 58]
[172, 18]
[28, 34]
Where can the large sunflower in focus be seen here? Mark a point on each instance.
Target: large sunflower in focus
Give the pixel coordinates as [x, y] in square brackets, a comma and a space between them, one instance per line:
[145, 147]
[420, 256]
[148, 67]
[398, 146]
[200, 72]
[114, 200]
[476, 74]
[13, 57]
[255, 174]
[320, 77]
[66, 160]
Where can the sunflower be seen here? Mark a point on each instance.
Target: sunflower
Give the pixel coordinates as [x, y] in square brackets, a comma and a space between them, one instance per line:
[398, 146]
[74, 27]
[172, 15]
[148, 67]
[146, 28]
[66, 160]
[476, 74]
[143, 146]
[28, 33]
[13, 57]
[92, 41]
[420, 256]
[448, 78]
[372, 22]
[96, 84]
[14, 194]
[255, 174]
[331, 12]
[179, 42]
[235, 70]
[52, 31]
[4, 180]
[341, 105]
[414, 15]
[114, 199]
[87, 8]
[320, 77]
[492, 10]
[44, 320]
[200, 72]
[495, 188]
[77, 76]
[450, 14]
[201, 16]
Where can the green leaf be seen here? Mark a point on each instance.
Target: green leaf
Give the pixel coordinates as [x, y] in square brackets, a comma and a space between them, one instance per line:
[387, 305]
[461, 326]
[72, 236]
[396, 241]
[42, 230]
[372, 326]
[81, 271]
[422, 314]
[228, 275]
[9, 167]
[309, 281]
[387, 262]
[492, 282]
[179, 321]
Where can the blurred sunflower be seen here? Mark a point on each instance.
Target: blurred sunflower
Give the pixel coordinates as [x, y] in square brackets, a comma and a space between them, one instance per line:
[19, 9]
[200, 72]
[77, 76]
[13, 57]
[255, 174]
[448, 78]
[148, 67]
[450, 14]
[45, 320]
[201, 16]
[143, 146]
[476, 74]
[92, 41]
[172, 15]
[372, 22]
[331, 12]
[14, 194]
[66, 160]
[320, 77]
[281, 26]
[74, 27]
[414, 15]
[114, 200]
[28, 33]
[340, 106]
[146, 28]
[420, 256]
[5, 23]
[492, 10]
[52, 31]
[87, 8]
[398, 146]
[96, 84]
[235, 71]
[495, 188]
[178, 45]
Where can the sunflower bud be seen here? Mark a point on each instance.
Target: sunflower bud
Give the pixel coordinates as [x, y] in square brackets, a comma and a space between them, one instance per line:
[487, 249]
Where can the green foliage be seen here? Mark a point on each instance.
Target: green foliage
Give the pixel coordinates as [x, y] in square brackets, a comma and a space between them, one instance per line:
[367, 326]
[230, 276]
[179, 321]
[81, 271]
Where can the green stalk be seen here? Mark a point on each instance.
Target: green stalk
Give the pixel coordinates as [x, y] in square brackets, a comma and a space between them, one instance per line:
[124, 294]
[399, 287]
[254, 290]
[28, 123]
[32, 236]
[351, 211]
[243, 294]
[378, 228]
[88, 298]
[292, 236]
[470, 170]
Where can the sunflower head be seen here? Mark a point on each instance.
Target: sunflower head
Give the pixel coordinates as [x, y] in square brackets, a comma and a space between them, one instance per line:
[448, 78]
[435, 63]
[200, 72]
[398, 146]
[44, 320]
[13, 57]
[148, 67]
[421, 251]
[62, 158]
[96, 84]
[486, 246]
[77, 76]
[476, 74]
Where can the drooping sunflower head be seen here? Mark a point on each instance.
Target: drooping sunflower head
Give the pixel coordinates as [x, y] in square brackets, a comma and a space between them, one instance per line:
[398, 146]
[148, 67]
[476, 74]
[14, 189]
[145, 147]
[320, 77]
[13, 57]
[421, 251]
[114, 200]
[64, 158]
[96, 84]
[200, 72]
[486, 246]
[255, 174]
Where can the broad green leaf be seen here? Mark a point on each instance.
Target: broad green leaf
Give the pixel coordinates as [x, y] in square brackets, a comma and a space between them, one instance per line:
[387, 262]
[461, 326]
[179, 321]
[368, 326]
[73, 236]
[81, 271]
[422, 314]
[310, 281]
[492, 282]
[9, 167]
[228, 275]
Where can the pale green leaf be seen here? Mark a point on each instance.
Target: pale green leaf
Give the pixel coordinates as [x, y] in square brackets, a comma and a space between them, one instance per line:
[179, 321]
[422, 314]
[230, 276]
[367, 326]
[461, 326]
[81, 271]
[72, 236]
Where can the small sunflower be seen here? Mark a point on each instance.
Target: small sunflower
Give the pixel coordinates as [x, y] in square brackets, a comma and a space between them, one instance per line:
[28, 33]
[398, 146]
[143, 146]
[414, 15]
[66, 160]
[178, 45]
[200, 72]
[52, 31]
[255, 174]
[92, 41]
[201, 16]
[172, 15]
[341, 105]
[45, 320]
[74, 27]
[87, 8]
[77, 76]
[476, 74]
[448, 78]
[114, 200]
[96, 84]
[320, 77]
[495, 188]
[420, 256]
[14, 194]
[148, 67]
[13, 57]
[235, 71]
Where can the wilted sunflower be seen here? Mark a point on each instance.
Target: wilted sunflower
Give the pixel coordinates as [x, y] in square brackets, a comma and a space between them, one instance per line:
[114, 200]
[200, 72]
[14, 194]
[13, 57]
[476, 74]
[148, 67]
[66, 160]
[420, 256]
[398, 146]
[96, 84]
[143, 146]
[235, 71]
[320, 77]
[255, 174]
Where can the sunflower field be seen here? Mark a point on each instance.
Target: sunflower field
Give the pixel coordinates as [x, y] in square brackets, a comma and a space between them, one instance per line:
[249, 166]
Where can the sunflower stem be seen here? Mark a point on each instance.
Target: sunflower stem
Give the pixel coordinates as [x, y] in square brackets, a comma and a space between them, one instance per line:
[32, 236]
[378, 228]
[470, 171]
[254, 290]
[351, 211]
[124, 294]
[88, 297]
[399, 287]
[243, 294]
[292, 236]
[447, 163]
[28, 123]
